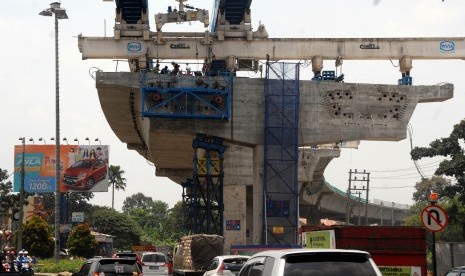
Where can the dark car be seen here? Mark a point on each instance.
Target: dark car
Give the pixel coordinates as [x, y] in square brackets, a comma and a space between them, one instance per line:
[110, 267]
[456, 271]
[85, 173]
[128, 255]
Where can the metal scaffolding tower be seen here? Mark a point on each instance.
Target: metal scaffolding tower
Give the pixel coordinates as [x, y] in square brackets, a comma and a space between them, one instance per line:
[281, 153]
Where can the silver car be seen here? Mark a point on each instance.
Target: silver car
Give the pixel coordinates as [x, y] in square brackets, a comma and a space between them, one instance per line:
[303, 262]
[227, 265]
[154, 263]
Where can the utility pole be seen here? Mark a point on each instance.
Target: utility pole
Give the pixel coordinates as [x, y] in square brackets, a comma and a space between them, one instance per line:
[382, 204]
[354, 189]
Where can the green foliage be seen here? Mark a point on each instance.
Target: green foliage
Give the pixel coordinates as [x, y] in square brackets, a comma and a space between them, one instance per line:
[435, 184]
[174, 223]
[77, 202]
[126, 231]
[454, 166]
[50, 266]
[116, 178]
[37, 238]
[136, 201]
[160, 224]
[454, 207]
[8, 200]
[454, 231]
[81, 243]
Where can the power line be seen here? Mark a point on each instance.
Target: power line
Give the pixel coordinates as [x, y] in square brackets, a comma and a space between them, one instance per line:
[408, 168]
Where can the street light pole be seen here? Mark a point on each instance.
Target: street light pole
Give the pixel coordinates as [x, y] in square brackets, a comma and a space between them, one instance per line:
[60, 13]
[21, 195]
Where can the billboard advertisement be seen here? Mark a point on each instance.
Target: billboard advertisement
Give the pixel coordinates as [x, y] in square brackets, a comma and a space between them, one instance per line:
[82, 168]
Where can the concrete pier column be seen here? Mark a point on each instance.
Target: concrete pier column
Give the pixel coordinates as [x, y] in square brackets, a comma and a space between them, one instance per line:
[258, 159]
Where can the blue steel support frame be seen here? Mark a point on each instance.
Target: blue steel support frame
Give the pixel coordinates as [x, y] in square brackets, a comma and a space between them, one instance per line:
[280, 215]
[203, 194]
[186, 96]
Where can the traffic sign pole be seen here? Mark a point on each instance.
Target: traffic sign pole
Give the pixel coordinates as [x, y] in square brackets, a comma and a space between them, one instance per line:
[434, 254]
[434, 218]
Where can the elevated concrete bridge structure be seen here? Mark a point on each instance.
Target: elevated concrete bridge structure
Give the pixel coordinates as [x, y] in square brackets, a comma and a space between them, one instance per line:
[330, 112]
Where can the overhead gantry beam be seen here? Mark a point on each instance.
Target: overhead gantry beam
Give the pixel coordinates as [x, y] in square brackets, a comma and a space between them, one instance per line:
[274, 48]
[195, 46]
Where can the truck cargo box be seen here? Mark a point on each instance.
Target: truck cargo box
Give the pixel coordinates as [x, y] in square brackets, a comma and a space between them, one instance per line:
[393, 248]
[195, 253]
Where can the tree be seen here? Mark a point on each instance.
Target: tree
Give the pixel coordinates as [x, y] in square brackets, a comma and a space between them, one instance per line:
[8, 200]
[454, 166]
[81, 243]
[108, 221]
[117, 181]
[435, 184]
[37, 238]
[455, 231]
[136, 201]
[174, 223]
[77, 202]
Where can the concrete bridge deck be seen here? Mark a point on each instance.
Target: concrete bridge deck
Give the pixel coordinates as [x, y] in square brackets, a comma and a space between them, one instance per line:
[329, 113]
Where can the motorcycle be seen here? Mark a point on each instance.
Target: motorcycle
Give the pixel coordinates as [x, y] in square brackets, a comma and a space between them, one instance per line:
[25, 268]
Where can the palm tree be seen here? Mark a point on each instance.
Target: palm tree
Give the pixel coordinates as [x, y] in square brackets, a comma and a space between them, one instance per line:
[117, 180]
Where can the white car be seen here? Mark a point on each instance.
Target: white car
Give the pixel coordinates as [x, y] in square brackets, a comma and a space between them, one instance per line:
[303, 262]
[227, 265]
[154, 263]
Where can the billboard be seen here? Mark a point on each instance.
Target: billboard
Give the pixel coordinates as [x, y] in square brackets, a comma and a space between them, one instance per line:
[82, 168]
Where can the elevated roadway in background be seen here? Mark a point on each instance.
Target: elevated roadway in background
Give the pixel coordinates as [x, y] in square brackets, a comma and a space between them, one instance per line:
[329, 112]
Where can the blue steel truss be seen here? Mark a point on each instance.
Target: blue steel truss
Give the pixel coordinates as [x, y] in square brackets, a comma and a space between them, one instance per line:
[202, 196]
[186, 96]
[281, 154]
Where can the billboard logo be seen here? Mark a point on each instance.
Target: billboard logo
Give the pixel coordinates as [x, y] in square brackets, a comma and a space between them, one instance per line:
[134, 47]
[30, 161]
[447, 46]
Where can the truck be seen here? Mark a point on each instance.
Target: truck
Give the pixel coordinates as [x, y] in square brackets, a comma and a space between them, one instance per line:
[397, 250]
[195, 253]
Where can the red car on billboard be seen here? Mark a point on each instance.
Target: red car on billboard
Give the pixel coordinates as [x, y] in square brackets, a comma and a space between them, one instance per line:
[85, 173]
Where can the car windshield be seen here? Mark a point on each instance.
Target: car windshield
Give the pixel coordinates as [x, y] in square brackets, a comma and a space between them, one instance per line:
[153, 258]
[82, 164]
[328, 264]
[126, 255]
[234, 264]
[112, 267]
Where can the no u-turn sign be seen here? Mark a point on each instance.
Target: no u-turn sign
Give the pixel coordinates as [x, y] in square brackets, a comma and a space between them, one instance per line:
[434, 218]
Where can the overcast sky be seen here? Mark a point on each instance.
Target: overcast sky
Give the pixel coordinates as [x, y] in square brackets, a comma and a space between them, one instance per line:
[27, 78]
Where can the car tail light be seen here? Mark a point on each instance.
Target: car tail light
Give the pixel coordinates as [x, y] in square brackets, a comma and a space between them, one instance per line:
[220, 270]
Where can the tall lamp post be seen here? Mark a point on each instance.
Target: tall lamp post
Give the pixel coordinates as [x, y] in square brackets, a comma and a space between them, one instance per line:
[60, 13]
[21, 195]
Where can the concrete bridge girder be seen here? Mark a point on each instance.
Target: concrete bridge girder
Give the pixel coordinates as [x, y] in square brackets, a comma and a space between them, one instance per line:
[329, 113]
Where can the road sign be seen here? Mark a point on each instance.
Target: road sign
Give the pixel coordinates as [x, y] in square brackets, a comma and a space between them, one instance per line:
[77, 217]
[434, 218]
